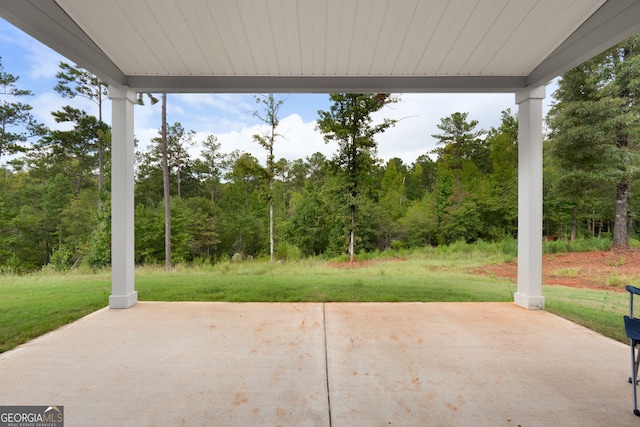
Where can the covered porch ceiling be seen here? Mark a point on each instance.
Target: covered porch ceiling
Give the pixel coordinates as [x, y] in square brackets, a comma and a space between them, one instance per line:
[324, 46]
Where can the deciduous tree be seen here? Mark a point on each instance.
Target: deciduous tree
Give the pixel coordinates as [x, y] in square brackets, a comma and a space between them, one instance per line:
[349, 123]
[269, 115]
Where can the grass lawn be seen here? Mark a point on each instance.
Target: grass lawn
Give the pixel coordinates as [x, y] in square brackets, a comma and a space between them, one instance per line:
[599, 310]
[35, 304]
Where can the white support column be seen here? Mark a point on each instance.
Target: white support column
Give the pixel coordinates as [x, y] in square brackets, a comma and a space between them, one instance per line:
[529, 294]
[123, 290]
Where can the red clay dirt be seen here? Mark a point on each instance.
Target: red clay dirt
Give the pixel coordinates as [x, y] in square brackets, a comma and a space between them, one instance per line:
[597, 270]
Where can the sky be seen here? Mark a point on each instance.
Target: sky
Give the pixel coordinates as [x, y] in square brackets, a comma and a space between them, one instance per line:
[229, 116]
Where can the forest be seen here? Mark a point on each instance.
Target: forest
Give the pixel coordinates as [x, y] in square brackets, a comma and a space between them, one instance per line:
[55, 192]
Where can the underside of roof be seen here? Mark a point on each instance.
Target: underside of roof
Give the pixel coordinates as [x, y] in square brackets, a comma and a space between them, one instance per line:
[326, 45]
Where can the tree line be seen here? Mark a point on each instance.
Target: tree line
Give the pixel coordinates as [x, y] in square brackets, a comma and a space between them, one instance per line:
[55, 195]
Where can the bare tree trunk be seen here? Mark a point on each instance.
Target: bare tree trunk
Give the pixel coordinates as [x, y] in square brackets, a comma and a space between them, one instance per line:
[178, 175]
[574, 223]
[271, 172]
[101, 146]
[270, 116]
[620, 228]
[165, 181]
[271, 246]
[620, 237]
[352, 235]
[100, 167]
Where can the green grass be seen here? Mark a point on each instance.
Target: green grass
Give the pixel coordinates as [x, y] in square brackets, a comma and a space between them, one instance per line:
[35, 304]
[407, 280]
[599, 310]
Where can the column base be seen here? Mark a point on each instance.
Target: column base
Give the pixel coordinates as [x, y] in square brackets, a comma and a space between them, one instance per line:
[123, 301]
[528, 302]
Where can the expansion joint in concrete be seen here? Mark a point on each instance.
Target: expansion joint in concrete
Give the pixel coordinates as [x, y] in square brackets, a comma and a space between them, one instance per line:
[326, 359]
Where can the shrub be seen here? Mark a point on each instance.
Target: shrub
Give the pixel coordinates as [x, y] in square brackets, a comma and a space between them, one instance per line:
[510, 246]
[285, 251]
[61, 258]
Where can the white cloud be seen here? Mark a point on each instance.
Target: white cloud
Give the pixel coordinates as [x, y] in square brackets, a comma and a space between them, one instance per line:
[298, 140]
[44, 104]
[43, 62]
[144, 137]
[236, 106]
[419, 114]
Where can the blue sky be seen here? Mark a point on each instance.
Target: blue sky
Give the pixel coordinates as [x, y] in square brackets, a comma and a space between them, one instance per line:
[229, 117]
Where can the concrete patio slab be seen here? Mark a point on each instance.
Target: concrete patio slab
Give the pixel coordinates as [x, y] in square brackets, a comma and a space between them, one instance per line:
[178, 364]
[258, 364]
[472, 364]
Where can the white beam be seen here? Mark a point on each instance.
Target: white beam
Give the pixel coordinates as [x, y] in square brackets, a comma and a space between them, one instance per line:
[122, 199]
[529, 294]
[327, 84]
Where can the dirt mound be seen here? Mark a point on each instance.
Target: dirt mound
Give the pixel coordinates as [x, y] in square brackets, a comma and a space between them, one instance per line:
[598, 270]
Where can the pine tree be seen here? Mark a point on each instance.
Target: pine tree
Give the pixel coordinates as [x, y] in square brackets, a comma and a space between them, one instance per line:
[349, 123]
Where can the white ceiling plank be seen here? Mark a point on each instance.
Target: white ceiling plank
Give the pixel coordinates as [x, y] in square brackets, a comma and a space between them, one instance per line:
[319, 37]
[450, 24]
[464, 37]
[369, 23]
[305, 18]
[258, 32]
[391, 40]
[231, 28]
[506, 24]
[536, 21]
[174, 41]
[200, 40]
[313, 26]
[393, 36]
[341, 18]
[284, 36]
[100, 24]
[521, 44]
[336, 37]
[608, 25]
[471, 39]
[554, 28]
[210, 41]
[420, 38]
[503, 59]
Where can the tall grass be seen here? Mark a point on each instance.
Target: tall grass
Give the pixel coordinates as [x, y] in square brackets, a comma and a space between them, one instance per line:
[410, 279]
[579, 245]
[35, 304]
